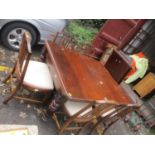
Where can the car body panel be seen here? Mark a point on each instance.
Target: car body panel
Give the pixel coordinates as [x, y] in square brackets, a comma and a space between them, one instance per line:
[45, 27]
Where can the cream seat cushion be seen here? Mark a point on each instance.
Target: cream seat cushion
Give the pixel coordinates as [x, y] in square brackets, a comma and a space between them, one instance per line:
[109, 112]
[38, 76]
[73, 107]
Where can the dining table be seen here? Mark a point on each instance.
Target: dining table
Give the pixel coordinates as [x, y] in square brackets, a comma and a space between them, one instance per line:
[82, 78]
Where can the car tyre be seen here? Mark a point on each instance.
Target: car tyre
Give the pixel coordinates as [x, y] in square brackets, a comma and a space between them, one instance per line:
[12, 28]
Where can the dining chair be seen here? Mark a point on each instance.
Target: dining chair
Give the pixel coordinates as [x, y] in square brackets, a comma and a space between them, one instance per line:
[65, 40]
[110, 117]
[78, 115]
[118, 65]
[31, 75]
[62, 39]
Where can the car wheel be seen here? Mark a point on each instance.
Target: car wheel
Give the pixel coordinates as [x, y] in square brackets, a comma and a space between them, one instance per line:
[11, 35]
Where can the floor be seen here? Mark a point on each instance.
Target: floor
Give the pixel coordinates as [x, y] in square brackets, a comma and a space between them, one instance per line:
[16, 113]
[19, 113]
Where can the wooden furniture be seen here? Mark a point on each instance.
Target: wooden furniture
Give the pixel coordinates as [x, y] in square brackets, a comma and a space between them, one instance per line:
[85, 84]
[79, 77]
[29, 74]
[118, 32]
[146, 85]
[107, 53]
[110, 117]
[80, 114]
[118, 65]
[63, 39]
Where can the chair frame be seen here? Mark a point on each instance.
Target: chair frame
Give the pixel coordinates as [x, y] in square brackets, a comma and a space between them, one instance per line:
[62, 39]
[82, 121]
[110, 119]
[19, 71]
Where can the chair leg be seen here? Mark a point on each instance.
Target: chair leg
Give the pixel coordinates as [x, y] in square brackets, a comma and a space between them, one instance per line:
[66, 124]
[83, 127]
[9, 76]
[95, 126]
[54, 117]
[27, 99]
[12, 94]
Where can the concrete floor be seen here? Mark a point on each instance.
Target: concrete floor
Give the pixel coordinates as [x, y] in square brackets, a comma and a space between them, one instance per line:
[16, 113]
[119, 128]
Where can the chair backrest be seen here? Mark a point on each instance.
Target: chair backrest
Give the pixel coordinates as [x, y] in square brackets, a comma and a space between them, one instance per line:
[117, 65]
[24, 55]
[63, 39]
[97, 110]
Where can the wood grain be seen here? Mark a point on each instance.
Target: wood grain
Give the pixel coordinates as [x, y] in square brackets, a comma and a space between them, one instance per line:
[82, 78]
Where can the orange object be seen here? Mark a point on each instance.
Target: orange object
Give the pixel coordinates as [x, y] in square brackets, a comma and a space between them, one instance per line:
[133, 70]
[146, 85]
[141, 55]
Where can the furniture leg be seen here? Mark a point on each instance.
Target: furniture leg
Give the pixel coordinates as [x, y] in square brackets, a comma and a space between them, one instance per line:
[67, 123]
[8, 77]
[12, 94]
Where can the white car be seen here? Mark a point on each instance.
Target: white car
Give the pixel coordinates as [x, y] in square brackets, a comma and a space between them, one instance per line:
[11, 30]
